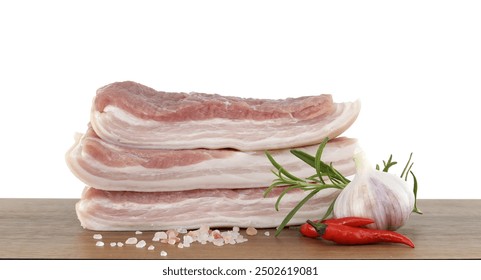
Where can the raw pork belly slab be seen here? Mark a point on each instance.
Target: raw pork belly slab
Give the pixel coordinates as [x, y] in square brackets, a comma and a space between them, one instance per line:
[102, 165]
[133, 115]
[116, 210]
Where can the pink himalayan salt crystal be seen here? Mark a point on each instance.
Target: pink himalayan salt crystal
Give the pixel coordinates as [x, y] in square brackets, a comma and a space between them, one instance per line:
[131, 241]
[216, 234]
[172, 233]
[141, 244]
[159, 236]
[251, 231]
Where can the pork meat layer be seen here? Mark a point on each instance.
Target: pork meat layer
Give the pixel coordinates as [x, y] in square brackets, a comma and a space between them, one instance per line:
[106, 166]
[133, 115]
[120, 211]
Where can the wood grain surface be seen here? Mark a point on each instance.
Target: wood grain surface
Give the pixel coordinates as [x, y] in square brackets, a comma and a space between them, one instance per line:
[49, 229]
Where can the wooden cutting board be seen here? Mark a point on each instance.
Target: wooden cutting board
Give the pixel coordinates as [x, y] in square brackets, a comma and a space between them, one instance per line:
[49, 229]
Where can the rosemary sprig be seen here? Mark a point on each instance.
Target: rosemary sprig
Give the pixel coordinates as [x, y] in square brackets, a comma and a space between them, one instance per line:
[325, 177]
[314, 184]
[388, 164]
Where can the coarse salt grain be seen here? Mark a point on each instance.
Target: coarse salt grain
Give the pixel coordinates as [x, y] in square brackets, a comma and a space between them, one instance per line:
[131, 241]
[138, 232]
[97, 236]
[251, 231]
[163, 253]
[182, 230]
[188, 239]
[240, 239]
[113, 244]
[159, 236]
[216, 234]
[193, 233]
[99, 244]
[172, 234]
[267, 233]
[151, 247]
[203, 237]
[230, 241]
[141, 244]
[120, 244]
[204, 228]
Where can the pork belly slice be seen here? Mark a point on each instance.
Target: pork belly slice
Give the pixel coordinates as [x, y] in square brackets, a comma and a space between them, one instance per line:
[133, 115]
[118, 211]
[102, 165]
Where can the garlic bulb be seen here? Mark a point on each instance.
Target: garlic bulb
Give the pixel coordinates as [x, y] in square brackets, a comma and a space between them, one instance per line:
[374, 194]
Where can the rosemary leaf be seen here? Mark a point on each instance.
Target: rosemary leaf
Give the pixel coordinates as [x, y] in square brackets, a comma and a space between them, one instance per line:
[284, 192]
[407, 164]
[273, 161]
[409, 170]
[276, 182]
[294, 211]
[415, 191]
[339, 175]
[289, 175]
[387, 164]
[304, 157]
[317, 158]
[314, 178]
[280, 168]
[329, 210]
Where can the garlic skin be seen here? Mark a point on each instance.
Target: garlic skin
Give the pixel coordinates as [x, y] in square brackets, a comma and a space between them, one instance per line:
[381, 196]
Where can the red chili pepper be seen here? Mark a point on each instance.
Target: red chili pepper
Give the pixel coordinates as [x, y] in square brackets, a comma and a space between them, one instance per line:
[350, 221]
[342, 234]
[309, 231]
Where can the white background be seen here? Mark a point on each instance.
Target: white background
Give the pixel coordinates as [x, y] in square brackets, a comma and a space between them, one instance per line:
[415, 65]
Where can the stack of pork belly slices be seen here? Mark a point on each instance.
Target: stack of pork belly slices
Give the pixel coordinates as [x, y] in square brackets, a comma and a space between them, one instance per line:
[154, 160]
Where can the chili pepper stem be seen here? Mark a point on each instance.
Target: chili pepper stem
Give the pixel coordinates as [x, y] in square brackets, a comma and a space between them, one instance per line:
[320, 227]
